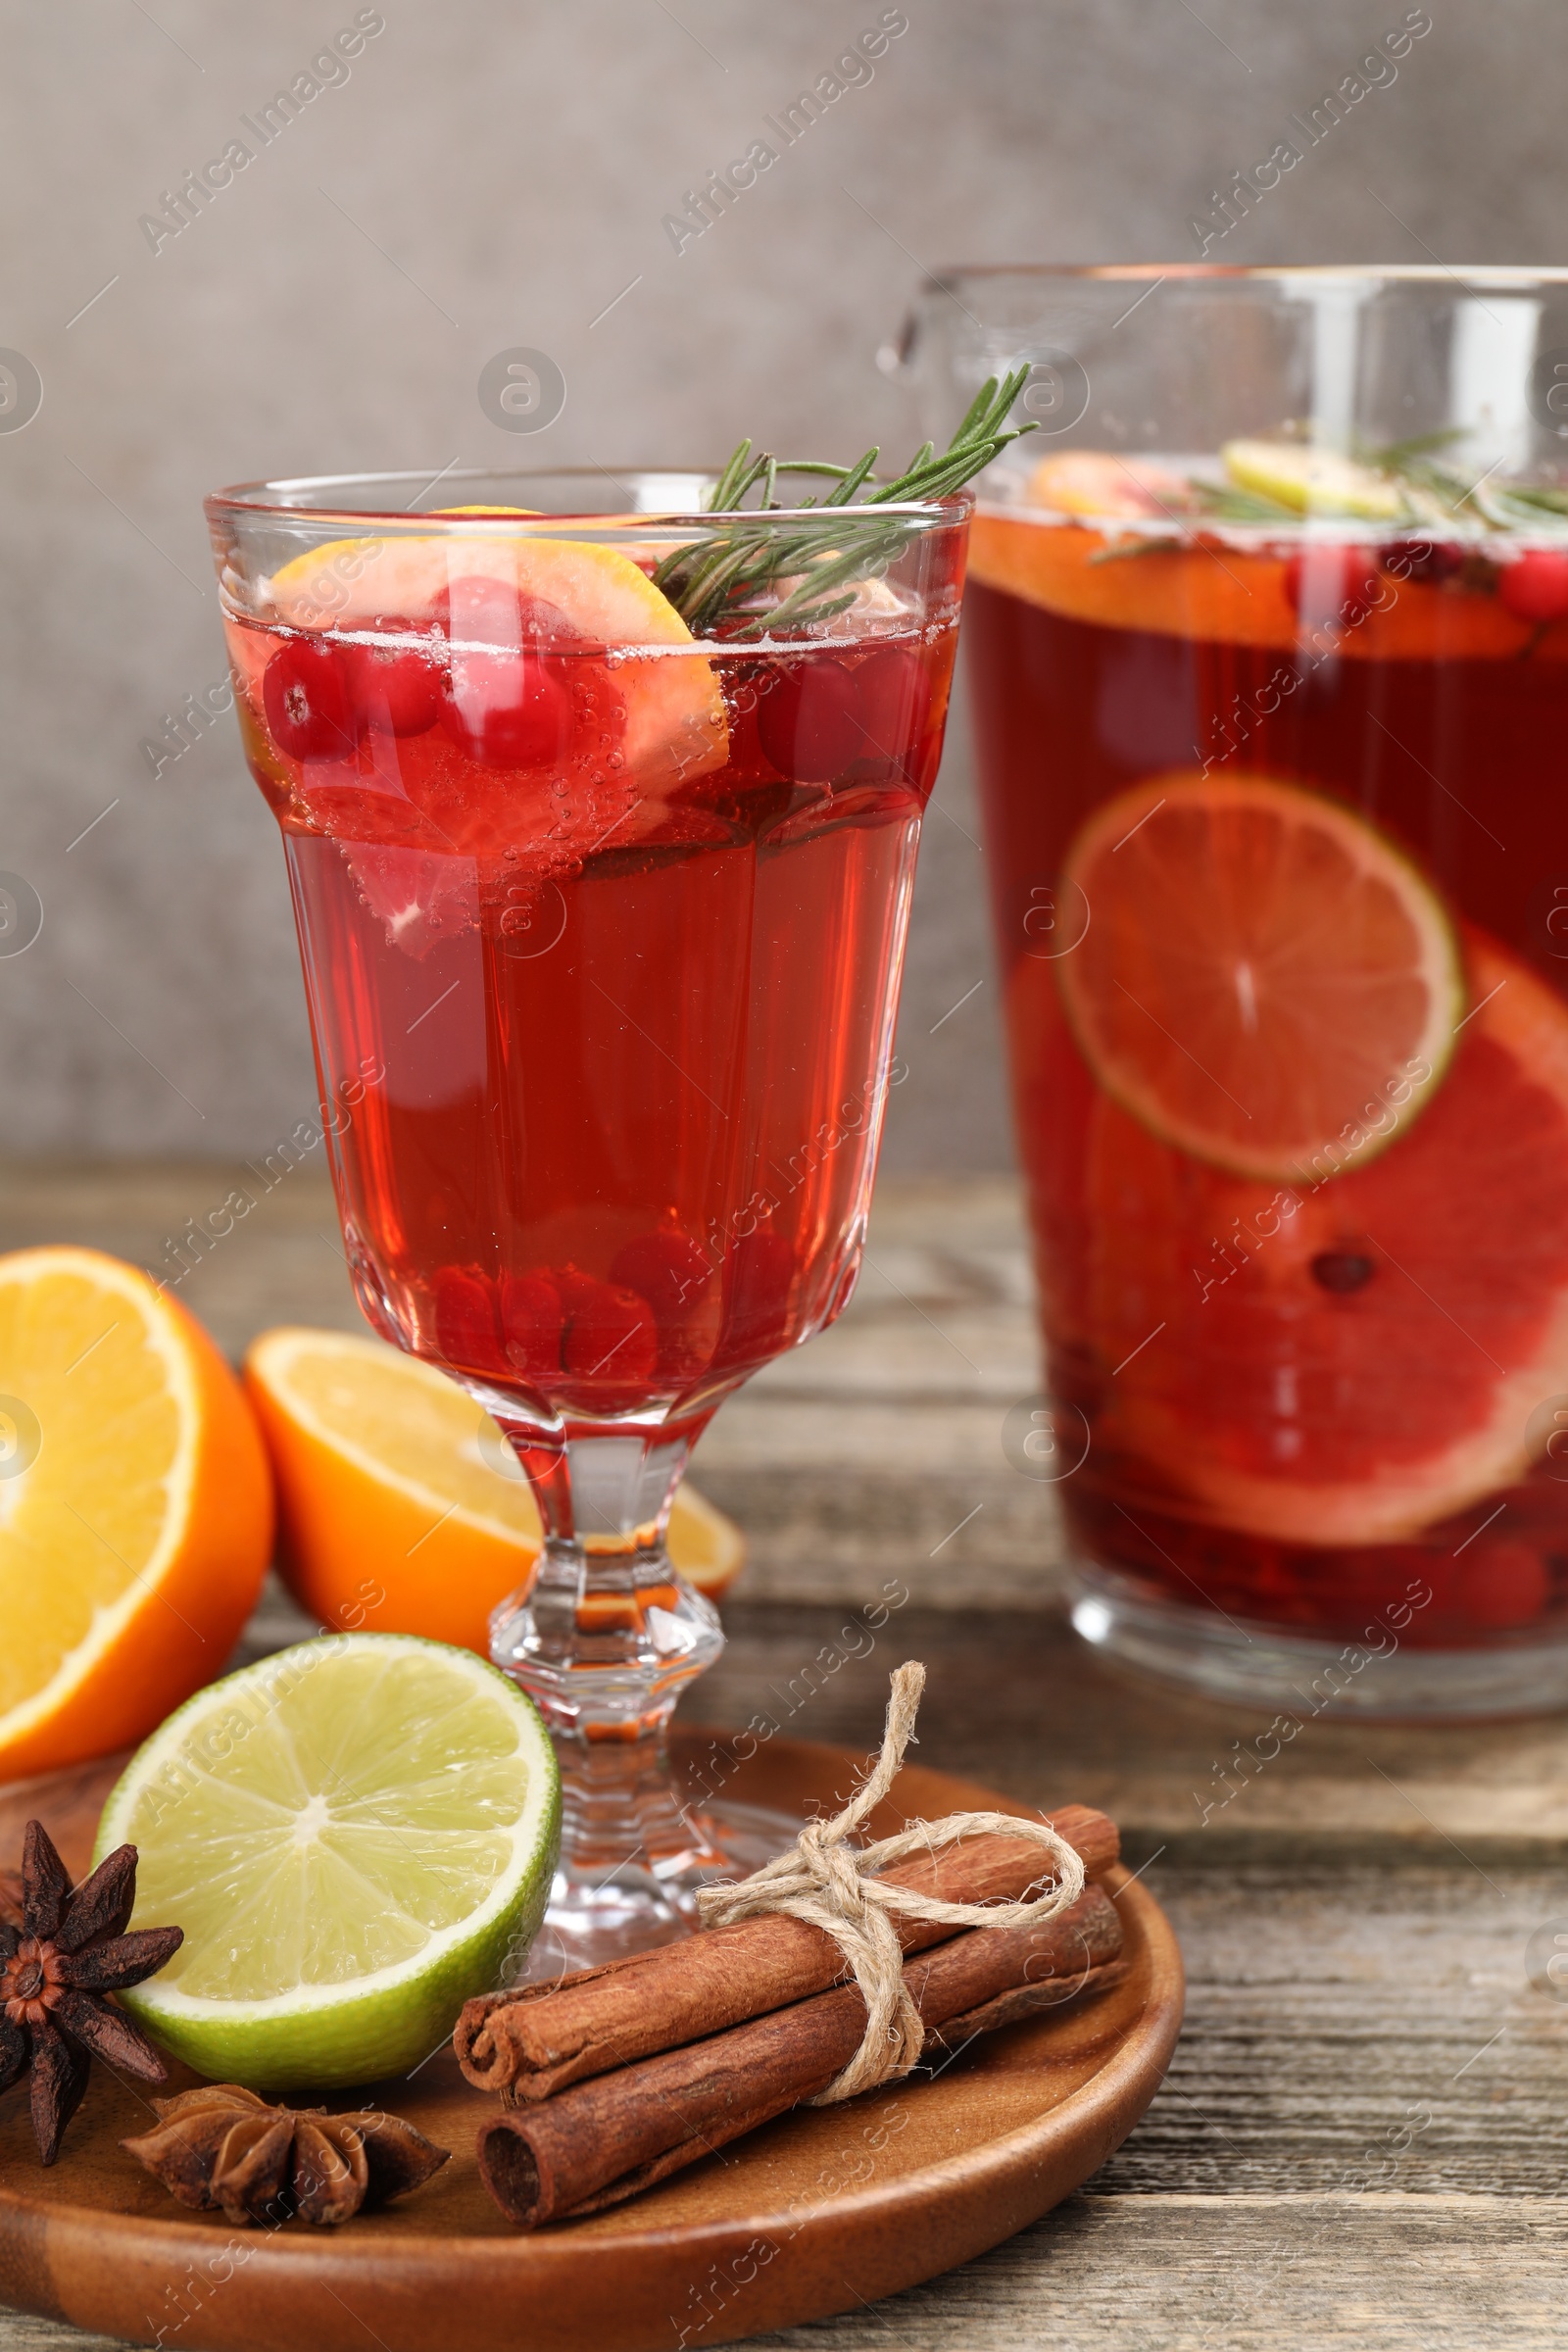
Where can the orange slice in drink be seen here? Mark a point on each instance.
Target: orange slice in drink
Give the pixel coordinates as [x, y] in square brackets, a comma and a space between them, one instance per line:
[1263, 976]
[136, 1507]
[1351, 1357]
[674, 722]
[1237, 594]
[403, 1509]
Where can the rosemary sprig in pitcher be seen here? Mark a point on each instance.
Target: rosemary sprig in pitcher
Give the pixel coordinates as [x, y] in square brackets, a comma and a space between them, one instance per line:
[746, 580]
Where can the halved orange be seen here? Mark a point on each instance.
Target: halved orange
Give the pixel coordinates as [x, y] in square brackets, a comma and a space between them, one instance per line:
[136, 1507]
[1262, 971]
[403, 1509]
[1351, 1357]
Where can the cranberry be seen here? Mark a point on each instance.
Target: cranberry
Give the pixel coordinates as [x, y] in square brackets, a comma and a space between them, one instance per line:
[610, 1332]
[468, 1335]
[1333, 587]
[1431, 561]
[810, 724]
[531, 1319]
[480, 611]
[507, 710]
[306, 698]
[507, 705]
[894, 691]
[396, 688]
[1534, 586]
[673, 1273]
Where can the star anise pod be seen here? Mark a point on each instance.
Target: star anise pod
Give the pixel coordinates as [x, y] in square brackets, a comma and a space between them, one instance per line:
[221, 2147]
[57, 1969]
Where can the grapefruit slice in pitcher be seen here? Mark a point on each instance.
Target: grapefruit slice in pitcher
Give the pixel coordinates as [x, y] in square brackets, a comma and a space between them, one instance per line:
[1350, 1357]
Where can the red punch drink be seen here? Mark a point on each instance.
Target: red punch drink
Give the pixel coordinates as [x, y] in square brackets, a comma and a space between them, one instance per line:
[623, 960]
[601, 830]
[1279, 854]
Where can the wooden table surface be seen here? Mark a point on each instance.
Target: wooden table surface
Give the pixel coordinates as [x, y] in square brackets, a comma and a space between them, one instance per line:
[1361, 2139]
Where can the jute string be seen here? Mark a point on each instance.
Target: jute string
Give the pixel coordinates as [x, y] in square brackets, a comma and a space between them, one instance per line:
[836, 1886]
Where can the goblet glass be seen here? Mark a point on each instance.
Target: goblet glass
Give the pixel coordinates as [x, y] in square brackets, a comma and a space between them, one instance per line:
[601, 904]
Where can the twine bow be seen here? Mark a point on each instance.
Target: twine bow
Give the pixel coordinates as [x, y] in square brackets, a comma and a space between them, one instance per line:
[835, 1886]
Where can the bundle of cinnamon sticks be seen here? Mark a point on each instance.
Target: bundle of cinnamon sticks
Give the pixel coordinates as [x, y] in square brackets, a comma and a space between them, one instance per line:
[615, 2078]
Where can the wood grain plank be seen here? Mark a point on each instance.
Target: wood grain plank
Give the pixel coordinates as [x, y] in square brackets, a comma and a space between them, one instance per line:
[1226, 2275]
[1354, 1916]
[1438, 2273]
[1013, 1698]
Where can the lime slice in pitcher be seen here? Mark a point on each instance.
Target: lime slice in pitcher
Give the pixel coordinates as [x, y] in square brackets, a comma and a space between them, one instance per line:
[356, 1835]
[1264, 976]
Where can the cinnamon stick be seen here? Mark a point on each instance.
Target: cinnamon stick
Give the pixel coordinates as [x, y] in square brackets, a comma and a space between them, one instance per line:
[533, 2040]
[606, 2139]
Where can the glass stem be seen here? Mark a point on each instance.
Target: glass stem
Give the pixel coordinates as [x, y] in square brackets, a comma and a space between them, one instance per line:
[604, 1637]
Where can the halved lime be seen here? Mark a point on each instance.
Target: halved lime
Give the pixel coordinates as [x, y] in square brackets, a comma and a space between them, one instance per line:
[356, 1835]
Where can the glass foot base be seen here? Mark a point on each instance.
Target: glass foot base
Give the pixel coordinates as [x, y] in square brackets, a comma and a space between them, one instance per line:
[592, 1918]
[1258, 1666]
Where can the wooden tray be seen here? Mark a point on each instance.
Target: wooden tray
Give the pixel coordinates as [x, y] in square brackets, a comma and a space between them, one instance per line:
[821, 2211]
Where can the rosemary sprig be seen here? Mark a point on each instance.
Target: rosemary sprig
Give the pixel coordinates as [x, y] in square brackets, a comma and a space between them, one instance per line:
[1396, 456]
[729, 583]
[1228, 502]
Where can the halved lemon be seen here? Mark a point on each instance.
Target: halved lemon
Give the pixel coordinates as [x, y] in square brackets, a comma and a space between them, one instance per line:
[1312, 481]
[1262, 972]
[356, 1835]
[136, 1507]
[401, 1504]
[674, 702]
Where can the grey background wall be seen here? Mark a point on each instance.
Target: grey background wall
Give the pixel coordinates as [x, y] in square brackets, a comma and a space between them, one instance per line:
[495, 172]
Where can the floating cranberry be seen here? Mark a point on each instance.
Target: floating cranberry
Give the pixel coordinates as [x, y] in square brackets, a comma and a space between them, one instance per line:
[1334, 587]
[810, 722]
[1534, 586]
[507, 710]
[894, 691]
[507, 703]
[480, 613]
[1430, 561]
[531, 1323]
[395, 688]
[467, 1332]
[304, 695]
[609, 1334]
